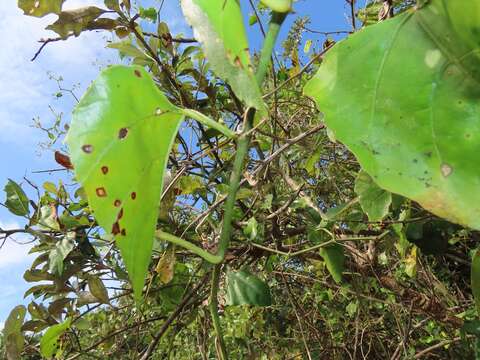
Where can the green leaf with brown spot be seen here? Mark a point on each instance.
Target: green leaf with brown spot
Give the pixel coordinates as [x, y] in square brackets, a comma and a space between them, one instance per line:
[40, 8]
[218, 25]
[120, 138]
[411, 114]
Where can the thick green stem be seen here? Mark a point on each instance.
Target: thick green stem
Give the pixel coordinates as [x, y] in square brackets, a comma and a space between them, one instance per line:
[213, 259]
[221, 348]
[205, 120]
[243, 145]
[268, 45]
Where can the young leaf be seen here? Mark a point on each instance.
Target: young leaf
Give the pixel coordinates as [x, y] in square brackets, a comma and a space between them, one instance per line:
[374, 200]
[17, 201]
[40, 8]
[218, 25]
[119, 143]
[246, 289]
[49, 343]
[416, 109]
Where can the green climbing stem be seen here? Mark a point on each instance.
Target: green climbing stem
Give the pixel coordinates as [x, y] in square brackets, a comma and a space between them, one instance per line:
[205, 120]
[213, 259]
[269, 44]
[221, 348]
[243, 143]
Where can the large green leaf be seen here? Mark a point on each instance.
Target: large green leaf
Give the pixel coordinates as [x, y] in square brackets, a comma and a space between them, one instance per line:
[374, 200]
[12, 333]
[120, 137]
[404, 95]
[218, 25]
[16, 201]
[243, 288]
[49, 342]
[40, 8]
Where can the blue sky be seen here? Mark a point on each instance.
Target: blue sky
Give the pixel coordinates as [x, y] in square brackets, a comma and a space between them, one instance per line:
[26, 92]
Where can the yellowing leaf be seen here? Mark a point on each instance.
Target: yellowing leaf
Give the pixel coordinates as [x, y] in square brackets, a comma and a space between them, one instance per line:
[40, 8]
[166, 265]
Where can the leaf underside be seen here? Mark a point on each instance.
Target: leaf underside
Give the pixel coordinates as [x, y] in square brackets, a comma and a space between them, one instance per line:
[403, 95]
[120, 137]
[218, 25]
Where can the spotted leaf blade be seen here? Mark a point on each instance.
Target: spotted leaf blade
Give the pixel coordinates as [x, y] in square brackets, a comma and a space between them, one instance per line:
[218, 25]
[410, 111]
[121, 134]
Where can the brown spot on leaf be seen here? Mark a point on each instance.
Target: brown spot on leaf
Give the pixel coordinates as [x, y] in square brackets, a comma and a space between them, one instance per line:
[238, 62]
[87, 148]
[133, 195]
[122, 133]
[117, 203]
[446, 170]
[101, 192]
[137, 73]
[104, 170]
[116, 228]
[120, 214]
[124, 232]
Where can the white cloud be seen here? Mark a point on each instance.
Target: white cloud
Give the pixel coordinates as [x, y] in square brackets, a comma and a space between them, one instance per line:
[25, 90]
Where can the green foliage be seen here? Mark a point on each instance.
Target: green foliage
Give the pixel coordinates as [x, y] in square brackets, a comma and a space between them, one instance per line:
[50, 344]
[119, 144]
[245, 288]
[12, 332]
[16, 200]
[324, 239]
[402, 132]
[218, 25]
